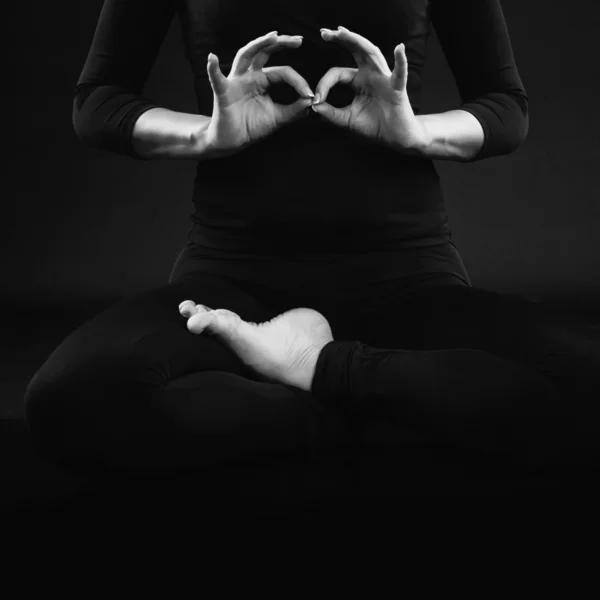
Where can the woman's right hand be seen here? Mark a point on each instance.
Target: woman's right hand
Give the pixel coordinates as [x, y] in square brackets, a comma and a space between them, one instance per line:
[243, 111]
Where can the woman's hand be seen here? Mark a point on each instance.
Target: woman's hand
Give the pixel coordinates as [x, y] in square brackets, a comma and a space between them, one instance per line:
[243, 111]
[381, 109]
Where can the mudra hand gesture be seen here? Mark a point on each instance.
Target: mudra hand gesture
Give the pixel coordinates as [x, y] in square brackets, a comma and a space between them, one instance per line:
[286, 349]
[381, 109]
[244, 113]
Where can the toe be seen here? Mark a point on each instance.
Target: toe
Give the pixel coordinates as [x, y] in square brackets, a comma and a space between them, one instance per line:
[188, 308]
[203, 322]
[221, 322]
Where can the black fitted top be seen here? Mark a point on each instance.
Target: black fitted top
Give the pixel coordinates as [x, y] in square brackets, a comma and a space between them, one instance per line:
[310, 183]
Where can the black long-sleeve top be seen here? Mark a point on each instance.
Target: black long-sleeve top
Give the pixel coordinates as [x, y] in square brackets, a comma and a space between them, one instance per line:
[310, 183]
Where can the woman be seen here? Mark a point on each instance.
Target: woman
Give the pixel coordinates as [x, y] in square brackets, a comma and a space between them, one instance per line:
[319, 290]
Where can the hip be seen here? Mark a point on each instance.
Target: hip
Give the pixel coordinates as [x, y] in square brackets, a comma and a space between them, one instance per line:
[407, 269]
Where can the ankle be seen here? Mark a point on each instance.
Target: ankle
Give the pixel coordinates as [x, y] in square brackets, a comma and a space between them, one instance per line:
[331, 383]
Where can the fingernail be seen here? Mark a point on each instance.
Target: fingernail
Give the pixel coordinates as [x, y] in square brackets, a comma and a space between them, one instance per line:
[309, 94]
[271, 33]
[317, 99]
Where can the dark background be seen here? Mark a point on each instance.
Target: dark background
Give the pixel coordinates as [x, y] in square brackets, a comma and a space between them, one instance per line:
[83, 227]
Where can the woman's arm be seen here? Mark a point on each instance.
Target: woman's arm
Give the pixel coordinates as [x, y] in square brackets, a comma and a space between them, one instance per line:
[109, 111]
[163, 133]
[493, 117]
[454, 135]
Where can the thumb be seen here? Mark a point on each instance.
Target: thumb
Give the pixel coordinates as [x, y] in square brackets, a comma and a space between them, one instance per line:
[337, 116]
[298, 109]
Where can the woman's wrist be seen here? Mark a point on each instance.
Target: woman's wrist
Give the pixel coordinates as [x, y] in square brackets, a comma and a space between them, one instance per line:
[163, 133]
[453, 135]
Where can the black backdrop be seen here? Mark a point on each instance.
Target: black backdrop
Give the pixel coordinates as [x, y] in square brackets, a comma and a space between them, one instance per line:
[80, 222]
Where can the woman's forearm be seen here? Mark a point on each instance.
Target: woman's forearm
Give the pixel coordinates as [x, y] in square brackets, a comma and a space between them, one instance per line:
[163, 133]
[453, 135]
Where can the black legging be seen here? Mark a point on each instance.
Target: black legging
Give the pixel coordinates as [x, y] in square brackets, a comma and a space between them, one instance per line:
[133, 390]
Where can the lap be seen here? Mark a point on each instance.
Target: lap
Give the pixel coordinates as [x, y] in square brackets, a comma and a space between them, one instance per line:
[145, 333]
[133, 389]
[507, 325]
[455, 316]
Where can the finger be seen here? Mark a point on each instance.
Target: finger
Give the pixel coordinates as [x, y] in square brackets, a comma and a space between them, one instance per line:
[364, 51]
[399, 77]
[290, 76]
[266, 44]
[337, 116]
[218, 81]
[281, 42]
[245, 54]
[273, 43]
[334, 76]
[290, 112]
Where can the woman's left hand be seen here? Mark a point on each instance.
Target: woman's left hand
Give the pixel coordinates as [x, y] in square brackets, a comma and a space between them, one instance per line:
[381, 109]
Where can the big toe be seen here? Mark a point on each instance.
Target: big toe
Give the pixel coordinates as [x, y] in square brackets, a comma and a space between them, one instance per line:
[200, 321]
[188, 308]
[220, 322]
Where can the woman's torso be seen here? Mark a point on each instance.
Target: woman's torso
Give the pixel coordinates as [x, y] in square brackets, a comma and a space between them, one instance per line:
[312, 183]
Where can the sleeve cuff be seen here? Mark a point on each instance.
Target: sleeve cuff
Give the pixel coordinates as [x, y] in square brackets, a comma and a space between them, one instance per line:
[483, 151]
[504, 123]
[104, 118]
[127, 124]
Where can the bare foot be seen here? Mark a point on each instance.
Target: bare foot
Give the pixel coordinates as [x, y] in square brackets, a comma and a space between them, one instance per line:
[284, 349]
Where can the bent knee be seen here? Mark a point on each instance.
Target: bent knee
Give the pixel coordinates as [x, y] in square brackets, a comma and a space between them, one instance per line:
[51, 407]
[74, 409]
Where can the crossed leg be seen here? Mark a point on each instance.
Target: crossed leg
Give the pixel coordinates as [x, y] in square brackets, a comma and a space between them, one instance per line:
[133, 390]
[455, 364]
[473, 367]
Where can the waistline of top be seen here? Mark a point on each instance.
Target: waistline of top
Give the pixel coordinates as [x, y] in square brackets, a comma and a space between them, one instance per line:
[311, 243]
